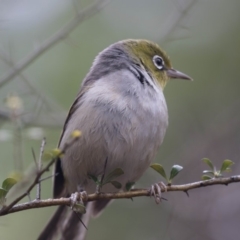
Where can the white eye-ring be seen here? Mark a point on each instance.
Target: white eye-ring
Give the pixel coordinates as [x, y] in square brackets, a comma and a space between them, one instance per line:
[158, 62]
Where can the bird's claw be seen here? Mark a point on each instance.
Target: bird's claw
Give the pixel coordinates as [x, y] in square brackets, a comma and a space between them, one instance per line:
[77, 204]
[156, 191]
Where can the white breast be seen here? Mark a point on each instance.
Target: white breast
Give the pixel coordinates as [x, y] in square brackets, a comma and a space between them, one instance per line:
[121, 120]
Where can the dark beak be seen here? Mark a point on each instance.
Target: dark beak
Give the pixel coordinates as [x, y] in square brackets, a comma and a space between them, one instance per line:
[172, 73]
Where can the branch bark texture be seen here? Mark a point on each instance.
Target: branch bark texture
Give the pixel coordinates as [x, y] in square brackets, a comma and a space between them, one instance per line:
[118, 195]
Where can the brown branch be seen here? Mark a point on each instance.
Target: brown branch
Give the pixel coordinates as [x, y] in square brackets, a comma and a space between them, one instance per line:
[55, 38]
[30, 118]
[174, 19]
[6, 209]
[118, 195]
[37, 179]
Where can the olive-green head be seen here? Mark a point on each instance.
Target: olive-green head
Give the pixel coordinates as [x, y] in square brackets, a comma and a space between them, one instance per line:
[152, 59]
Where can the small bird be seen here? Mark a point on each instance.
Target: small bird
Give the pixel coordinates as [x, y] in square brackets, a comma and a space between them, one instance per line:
[122, 114]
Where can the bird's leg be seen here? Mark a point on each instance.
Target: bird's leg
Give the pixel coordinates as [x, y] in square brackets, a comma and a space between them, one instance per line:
[77, 204]
[156, 191]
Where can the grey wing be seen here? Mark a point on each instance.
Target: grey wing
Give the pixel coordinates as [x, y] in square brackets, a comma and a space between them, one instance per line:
[58, 180]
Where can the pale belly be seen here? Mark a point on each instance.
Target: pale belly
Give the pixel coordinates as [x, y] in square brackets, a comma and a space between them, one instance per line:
[125, 129]
[125, 142]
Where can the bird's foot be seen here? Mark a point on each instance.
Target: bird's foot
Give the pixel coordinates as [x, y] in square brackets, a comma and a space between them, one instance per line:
[77, 204]
[156, 191]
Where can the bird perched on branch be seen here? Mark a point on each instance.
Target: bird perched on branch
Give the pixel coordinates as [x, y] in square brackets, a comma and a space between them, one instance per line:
[122, 115]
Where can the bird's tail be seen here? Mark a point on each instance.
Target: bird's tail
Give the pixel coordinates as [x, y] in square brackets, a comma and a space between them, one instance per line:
[66, 224]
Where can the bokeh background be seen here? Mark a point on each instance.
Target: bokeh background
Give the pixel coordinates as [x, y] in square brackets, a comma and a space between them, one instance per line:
[203, 40]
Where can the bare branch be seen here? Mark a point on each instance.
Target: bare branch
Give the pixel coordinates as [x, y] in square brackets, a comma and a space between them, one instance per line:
[118, 195]
[31, 118]
[39, 166]
[10, 206]
[6, 209]
[55, 38]
[174, 19]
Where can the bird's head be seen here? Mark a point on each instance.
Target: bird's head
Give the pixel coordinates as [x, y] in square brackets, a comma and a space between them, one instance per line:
[151, 58]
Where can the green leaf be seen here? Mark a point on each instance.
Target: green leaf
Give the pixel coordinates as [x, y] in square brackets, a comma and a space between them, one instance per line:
[8, 183]
[80, 208]
[208, 162]
[226, 165]
[129, 185]
[94, 178]
[52, 154]
[206, 177]
[116, 184]
[217, 174]
[208, 171]
[159, 168]
[3, 194]
[114, 174]
[174, 171]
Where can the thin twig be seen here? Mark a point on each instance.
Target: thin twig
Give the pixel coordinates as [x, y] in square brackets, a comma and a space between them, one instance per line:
[46, 178]
[55, 38]
[39, 167]
[98, 188]
[49, 104]
[174, 19]
[7, 208]
[34, 157]
[118, 195]
[80, 219]
[104, 170]
[29, 197]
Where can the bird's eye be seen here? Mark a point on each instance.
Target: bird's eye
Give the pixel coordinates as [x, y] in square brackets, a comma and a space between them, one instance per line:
[158, 62]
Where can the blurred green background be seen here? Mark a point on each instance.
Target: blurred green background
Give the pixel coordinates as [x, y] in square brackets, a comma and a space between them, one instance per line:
[202, 39]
